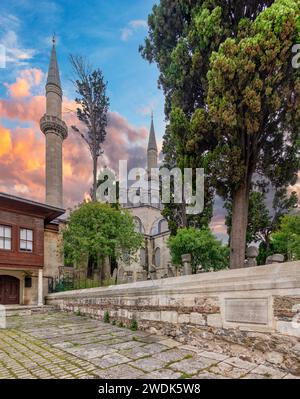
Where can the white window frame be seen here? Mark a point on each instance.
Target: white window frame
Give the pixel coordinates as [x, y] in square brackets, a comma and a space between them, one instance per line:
[5, 237]
[27, 241]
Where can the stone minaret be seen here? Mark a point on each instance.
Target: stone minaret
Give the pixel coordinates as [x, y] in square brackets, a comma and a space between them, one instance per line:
[55, 131]
[152, 155]
[152, 148]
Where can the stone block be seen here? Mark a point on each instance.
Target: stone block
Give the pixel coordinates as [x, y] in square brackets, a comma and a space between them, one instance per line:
[183, 318]
[252, 252]
[239, 363]
[186, 258]
[169, 316]
[176, 302]
[287, 328]
[274, 357]
[163, 300]
[192, 366]
[277, 258]
[197, 318]
[148, 364]
[153, 315]
[268, 372]
[214, 320]
[247, 310]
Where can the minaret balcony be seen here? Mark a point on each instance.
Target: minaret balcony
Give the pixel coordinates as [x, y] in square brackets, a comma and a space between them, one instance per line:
[53, 124]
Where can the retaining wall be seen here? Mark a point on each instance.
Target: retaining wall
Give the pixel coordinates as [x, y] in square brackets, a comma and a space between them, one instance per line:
[248, 311]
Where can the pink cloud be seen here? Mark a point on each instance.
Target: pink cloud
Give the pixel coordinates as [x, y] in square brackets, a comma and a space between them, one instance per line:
[24, 82]
[22, 150]
[24, 110]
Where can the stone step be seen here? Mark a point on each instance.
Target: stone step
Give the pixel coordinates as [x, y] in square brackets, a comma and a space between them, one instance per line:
[24, 310]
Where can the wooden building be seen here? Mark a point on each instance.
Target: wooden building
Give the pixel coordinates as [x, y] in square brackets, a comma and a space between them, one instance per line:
[29, 252]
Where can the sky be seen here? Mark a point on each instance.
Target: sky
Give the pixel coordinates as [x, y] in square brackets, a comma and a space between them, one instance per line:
[108, 34]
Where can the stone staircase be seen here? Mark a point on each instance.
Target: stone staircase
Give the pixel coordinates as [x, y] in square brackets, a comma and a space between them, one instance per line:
[26, 310]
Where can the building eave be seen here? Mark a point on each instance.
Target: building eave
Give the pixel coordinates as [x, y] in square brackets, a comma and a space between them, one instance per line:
[44, 211]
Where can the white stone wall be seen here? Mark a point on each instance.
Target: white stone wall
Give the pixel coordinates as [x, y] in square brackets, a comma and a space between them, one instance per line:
[52, 253]
[259, 299]
[148, 218]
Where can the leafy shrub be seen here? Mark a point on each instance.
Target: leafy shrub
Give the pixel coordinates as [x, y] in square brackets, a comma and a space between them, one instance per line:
[205, 249]
[286, 240]
[106, 317]
[133, 325]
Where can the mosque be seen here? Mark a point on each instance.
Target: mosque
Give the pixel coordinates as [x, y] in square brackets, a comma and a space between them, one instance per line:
[30, 232]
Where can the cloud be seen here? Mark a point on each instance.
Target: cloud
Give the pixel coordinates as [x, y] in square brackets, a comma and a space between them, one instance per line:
[5, 141]
[24, 82]
[22, 149]
[138, 23]
[14, 51]
[123, 142]
[126, 33]
[23, 109]
[9, 21]
[217, 224]
[132, 27]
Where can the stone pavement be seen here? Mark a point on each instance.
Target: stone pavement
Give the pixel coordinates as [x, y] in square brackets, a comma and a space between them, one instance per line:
[67, 346]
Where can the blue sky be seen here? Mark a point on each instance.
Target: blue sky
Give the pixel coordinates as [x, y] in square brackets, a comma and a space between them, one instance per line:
[108, 33]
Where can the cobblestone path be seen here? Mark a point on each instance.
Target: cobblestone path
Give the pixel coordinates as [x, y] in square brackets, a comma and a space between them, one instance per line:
[67, 346]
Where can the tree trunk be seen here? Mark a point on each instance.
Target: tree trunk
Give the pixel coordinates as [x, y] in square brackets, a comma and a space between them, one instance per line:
[240, 204]
[95, 163]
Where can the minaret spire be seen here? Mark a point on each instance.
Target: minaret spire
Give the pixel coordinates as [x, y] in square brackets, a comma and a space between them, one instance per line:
[53, 71]
[152, 152]
[152, 139]
[55, 131]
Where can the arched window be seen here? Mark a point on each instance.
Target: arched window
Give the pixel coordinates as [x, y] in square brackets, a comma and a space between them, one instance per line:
[159, 226]
[163, 226]
[139, 228]
[157, 257]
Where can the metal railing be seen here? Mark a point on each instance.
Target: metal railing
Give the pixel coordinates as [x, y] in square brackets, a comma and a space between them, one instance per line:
[69, 283]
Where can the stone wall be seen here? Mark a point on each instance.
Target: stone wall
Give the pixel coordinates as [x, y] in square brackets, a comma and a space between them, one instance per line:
[52, 252]
[246, 312]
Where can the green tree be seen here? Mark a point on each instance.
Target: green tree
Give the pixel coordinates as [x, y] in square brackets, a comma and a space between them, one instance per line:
[253, 100]
[187, 157]
[204, 248]
[96, 229]
[287, 239]
[182, 36]
[262, 219]
[92, 110]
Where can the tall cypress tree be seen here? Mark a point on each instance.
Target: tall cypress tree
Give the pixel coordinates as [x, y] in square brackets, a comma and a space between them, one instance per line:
[222, 64]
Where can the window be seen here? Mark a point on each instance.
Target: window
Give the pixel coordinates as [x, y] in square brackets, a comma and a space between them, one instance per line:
[139, 228]
[5, 237]
[28, 282]
[159, 226]
[157, 257]
[26, 240]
